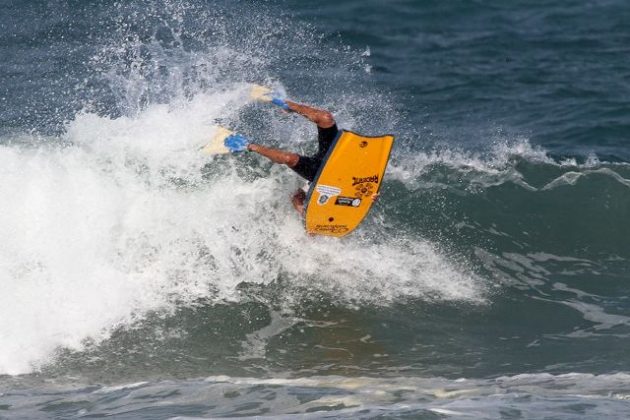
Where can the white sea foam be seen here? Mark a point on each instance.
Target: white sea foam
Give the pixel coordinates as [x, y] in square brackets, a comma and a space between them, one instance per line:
[122, 216]
[123, 222]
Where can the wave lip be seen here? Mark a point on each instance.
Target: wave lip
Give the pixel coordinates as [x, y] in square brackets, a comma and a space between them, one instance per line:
[503, 162]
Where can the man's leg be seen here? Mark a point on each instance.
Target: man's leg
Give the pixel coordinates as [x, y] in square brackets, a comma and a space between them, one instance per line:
[322, 118]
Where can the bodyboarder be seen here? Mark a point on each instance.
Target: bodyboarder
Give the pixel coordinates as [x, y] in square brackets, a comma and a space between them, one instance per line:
[305, 166]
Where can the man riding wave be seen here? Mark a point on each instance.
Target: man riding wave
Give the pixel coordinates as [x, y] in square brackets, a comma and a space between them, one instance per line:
[305, 166]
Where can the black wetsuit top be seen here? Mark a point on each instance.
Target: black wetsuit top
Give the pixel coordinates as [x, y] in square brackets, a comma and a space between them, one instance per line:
[308, 166]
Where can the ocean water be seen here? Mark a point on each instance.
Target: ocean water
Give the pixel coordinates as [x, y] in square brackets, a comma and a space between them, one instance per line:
[141, 279]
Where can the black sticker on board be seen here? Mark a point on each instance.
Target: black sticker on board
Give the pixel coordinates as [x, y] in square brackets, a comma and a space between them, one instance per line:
[348, 201]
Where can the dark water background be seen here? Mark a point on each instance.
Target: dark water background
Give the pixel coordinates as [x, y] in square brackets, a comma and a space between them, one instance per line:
[143, 280]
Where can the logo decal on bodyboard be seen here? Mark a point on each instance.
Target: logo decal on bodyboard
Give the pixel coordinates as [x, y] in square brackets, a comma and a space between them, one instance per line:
[348, 201]
[364, 186]
[357, 180]
[325, 193]
[331, 228]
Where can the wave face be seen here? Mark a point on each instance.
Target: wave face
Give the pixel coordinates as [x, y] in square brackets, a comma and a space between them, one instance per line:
[491, 276]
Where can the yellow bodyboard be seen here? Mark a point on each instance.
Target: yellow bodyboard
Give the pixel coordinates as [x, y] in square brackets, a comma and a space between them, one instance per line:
[341, 195]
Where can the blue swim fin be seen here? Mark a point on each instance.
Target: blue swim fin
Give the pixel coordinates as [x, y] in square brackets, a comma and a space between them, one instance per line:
[225, 141]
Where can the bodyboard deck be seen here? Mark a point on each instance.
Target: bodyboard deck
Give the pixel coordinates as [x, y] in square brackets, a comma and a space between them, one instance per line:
[340, 196]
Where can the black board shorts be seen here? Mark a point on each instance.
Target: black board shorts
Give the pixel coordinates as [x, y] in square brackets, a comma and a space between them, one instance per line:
[308, 166]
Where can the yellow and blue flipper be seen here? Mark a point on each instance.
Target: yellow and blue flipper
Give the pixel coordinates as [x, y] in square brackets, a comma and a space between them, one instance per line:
[264, 94]
[225, 141]
[261, 93]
